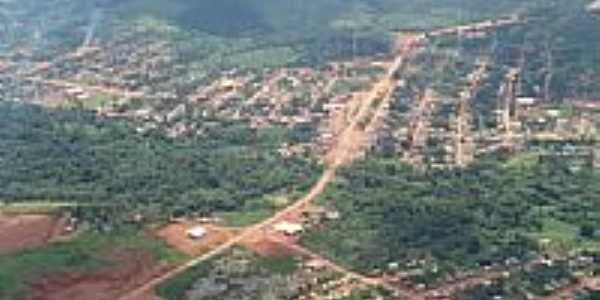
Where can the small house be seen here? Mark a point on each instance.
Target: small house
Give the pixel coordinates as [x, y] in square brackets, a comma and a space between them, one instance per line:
[289, 228]
[196, 233]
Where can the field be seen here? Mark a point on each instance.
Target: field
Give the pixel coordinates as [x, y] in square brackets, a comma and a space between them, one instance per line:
[90, 267]
[18, 232]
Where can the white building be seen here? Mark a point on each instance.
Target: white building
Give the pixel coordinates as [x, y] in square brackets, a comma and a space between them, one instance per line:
[196, 233]
[289, 228]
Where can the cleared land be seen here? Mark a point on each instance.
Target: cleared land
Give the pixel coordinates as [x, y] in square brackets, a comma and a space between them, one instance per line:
[19, 232]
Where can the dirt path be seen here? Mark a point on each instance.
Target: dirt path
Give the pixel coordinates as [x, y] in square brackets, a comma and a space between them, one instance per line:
[570, 291]
[371, 111]
[253, 230]
[339, 269]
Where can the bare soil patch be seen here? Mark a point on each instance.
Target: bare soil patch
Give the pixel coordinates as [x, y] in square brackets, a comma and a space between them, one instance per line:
[127, 271]
[266, 247]
[175, 235]
[19, 232]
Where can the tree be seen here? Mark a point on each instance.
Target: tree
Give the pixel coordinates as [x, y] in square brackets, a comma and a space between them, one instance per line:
[587, 230]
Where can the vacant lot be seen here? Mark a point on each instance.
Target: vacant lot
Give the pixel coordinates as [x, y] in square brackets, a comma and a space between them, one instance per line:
[90, 267]
[128, 270]
[18, 232]
[175, 236]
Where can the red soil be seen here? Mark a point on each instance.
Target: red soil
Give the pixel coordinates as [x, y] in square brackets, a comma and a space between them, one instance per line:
[18, 232]
[175, 236]
[128, 271]
[266, 247]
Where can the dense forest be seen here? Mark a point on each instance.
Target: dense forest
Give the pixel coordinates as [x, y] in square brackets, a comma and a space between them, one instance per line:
[69, 155]
[485, 214]
[316, 31]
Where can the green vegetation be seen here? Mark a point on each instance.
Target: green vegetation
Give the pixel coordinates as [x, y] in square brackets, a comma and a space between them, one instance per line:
[556, 44]
[74, 156]
[588, 295]
[454, 219]
[237, 274]
[243, 218]
[310, 31]
[87, 253]
[539, 280]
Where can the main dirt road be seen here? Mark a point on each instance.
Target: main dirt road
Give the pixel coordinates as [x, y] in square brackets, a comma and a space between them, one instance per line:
[343, 151]
[350, 140]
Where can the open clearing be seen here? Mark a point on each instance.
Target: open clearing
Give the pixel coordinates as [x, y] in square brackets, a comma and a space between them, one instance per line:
[175, 235]
[18, 232]
[128, 270]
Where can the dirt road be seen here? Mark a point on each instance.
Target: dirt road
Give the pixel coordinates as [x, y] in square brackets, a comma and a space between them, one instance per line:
[351, 140]
[350, 274]
[249, 232]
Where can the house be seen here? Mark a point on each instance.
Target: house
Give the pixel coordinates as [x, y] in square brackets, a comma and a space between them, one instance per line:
[196, 233]
[594, 6]
[289, 228]
[526, 101]
[315, 265]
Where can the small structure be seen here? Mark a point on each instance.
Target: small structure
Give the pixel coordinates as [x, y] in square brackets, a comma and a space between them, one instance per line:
[289, 228]
[315, 265]
[230, 85]
[526, 101]
[594, 7]
[196, 233]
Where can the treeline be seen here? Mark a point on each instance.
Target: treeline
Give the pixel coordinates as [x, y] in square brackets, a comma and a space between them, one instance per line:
[68, 155]
[317, 31]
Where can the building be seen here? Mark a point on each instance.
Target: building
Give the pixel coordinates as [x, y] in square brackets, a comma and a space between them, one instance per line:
[196, 233]
[526, 101]
[289, 228]
[594, 6]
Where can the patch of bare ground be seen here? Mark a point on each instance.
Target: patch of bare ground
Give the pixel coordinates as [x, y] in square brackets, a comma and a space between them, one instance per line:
[20, 232]
[175, 235]
[127, 271]
[267, 247]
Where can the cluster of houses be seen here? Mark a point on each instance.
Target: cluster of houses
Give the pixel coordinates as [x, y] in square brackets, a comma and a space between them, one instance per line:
[137, 76]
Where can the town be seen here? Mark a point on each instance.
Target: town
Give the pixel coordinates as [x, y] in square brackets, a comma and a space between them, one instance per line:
[439, 100]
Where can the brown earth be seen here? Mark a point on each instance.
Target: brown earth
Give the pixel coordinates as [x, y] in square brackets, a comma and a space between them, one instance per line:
[19, 232]
[128, 271]
[268, 248]
[174, 234]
